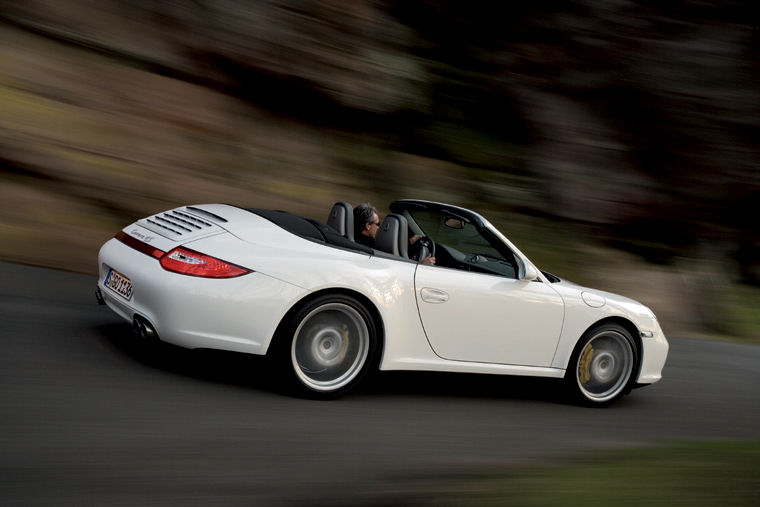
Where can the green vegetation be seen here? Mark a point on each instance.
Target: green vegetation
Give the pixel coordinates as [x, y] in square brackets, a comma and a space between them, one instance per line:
[744, 314]
[693, 474]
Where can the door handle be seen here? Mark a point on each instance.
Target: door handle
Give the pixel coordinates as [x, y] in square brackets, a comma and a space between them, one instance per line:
[433, 295]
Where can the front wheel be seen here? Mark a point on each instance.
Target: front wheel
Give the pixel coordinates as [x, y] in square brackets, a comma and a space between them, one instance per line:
[602, 365]
[331, 344]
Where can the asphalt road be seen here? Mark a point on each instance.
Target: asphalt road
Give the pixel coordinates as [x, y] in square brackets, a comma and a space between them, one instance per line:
[90, 417]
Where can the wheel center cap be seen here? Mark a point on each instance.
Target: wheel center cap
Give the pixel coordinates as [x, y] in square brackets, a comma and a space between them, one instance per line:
[326, 346]
[604, 366]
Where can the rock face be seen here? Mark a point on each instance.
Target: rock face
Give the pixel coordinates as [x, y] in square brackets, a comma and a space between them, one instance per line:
[352, 52]
[613, 113]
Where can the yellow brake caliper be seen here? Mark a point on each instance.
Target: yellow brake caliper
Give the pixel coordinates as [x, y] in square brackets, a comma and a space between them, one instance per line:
[584, 365]
[344, 348]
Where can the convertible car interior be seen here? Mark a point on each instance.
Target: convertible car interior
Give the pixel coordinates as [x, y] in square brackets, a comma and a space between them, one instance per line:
[456, 241]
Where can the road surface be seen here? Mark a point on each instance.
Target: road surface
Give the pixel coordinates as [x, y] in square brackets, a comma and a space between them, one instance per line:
[91, 417]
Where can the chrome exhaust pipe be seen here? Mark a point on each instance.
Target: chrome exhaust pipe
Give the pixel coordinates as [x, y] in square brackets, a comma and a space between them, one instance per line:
[144, 329]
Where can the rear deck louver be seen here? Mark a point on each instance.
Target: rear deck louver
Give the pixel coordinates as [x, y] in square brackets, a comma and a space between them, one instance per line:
[178, 224]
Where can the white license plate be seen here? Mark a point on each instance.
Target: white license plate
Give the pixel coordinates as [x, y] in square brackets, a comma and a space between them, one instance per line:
[119, 283]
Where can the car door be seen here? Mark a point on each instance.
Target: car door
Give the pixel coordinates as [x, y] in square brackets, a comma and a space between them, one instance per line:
[470, 316]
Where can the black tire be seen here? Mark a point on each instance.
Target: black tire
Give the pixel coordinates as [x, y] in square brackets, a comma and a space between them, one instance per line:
[602, 366]
[327, 346]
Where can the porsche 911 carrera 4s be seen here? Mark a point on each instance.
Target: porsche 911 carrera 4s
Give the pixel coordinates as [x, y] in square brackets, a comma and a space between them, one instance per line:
[328, 310]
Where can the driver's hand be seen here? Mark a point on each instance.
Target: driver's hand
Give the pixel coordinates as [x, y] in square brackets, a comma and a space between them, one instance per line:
[429, 260]
[414, 239]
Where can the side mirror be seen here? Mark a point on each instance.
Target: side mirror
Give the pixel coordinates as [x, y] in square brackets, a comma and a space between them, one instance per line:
[453, 223]
[531, 273]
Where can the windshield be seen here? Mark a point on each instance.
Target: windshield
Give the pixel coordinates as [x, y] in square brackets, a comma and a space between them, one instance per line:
[460, 244]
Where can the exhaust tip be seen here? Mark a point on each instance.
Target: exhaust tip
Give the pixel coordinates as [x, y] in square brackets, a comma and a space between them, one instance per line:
[144, 329]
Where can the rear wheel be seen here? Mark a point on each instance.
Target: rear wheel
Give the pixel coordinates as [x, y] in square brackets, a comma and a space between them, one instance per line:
[330, 345]
[602, 365]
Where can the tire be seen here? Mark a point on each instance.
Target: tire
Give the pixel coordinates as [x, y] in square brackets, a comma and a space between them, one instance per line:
[328, 347]
[602, 365]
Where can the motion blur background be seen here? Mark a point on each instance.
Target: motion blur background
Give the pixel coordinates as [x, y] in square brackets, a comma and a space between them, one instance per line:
[616, 142]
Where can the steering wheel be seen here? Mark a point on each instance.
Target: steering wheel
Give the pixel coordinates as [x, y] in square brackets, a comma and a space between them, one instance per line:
[424, 246]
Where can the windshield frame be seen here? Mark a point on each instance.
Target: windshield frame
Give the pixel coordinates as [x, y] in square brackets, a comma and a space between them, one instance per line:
[484, 228]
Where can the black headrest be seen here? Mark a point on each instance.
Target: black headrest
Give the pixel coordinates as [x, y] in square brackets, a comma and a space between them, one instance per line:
[342, 219]
[392, 237]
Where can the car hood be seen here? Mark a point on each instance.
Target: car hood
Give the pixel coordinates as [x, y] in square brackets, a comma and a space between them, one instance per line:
[595, 298]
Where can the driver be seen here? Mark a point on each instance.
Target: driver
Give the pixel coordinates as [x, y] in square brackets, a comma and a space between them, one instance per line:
[366, 224]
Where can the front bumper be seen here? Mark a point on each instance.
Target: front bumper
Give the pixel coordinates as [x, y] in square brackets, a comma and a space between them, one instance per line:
[654, 354]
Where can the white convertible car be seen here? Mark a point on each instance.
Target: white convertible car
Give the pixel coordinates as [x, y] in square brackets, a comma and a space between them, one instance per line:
[329, 309]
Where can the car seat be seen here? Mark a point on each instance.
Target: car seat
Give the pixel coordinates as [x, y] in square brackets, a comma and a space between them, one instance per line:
[341, 219]
[393, 237]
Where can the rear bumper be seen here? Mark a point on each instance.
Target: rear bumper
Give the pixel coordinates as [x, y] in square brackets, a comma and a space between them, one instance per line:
[238, 314]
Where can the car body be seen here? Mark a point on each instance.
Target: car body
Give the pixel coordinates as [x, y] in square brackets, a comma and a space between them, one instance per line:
[271, 283]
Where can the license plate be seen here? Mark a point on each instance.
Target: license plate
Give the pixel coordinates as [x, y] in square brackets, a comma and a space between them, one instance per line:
[119, 283]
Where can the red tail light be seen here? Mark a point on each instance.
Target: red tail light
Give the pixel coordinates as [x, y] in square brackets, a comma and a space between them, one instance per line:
[139, 245]
[188, 262]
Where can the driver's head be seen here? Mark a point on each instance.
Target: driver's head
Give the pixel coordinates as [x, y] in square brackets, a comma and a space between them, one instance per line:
[366, 220]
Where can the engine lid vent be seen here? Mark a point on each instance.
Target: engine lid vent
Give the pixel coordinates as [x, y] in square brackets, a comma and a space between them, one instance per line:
[180, 225]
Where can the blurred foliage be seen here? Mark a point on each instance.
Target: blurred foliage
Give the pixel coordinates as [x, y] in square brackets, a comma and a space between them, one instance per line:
[695, 474]
[587, 131]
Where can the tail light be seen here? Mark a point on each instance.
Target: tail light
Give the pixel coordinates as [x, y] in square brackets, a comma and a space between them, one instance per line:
[188, 262]
[139, 245]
